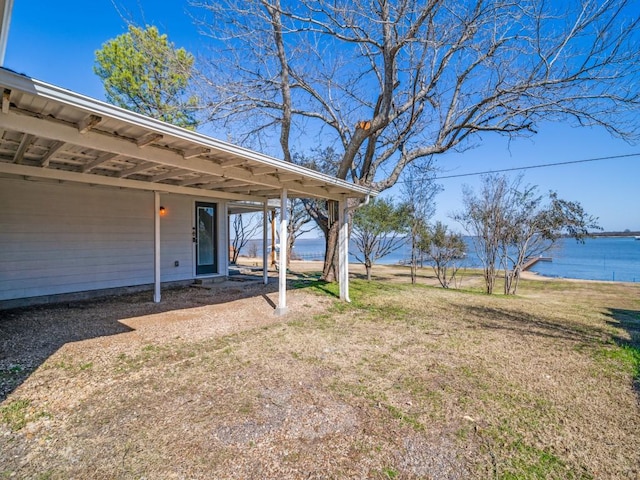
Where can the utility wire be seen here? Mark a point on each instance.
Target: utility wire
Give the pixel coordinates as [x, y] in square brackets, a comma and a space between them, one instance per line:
[538, 166]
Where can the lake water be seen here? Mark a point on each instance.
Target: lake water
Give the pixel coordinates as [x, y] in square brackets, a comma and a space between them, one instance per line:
[601, 258]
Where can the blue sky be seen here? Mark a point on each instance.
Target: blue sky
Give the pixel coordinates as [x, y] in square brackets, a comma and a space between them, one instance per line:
[55, 42]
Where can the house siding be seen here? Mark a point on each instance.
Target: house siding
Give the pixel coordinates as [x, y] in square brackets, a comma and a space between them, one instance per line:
[58, 238]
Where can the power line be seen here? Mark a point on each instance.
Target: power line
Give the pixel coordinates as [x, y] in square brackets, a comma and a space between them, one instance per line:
[543, 165]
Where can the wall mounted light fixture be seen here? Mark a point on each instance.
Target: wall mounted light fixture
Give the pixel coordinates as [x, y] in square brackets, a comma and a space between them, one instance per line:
[163, 211]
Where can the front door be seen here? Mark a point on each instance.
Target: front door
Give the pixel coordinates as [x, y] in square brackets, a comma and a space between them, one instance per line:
[205, 238]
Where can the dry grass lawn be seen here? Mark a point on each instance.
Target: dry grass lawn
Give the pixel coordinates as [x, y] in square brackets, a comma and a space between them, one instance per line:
[406, 382]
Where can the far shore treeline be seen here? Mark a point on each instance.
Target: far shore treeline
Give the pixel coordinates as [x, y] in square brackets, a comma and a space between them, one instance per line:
[626, 233]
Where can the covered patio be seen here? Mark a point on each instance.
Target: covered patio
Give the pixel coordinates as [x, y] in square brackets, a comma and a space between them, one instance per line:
[52, 136]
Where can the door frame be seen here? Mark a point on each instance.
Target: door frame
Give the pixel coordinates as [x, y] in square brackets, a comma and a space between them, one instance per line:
[212, 268]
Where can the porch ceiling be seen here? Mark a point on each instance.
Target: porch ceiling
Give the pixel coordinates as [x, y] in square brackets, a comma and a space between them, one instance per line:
[49, 132]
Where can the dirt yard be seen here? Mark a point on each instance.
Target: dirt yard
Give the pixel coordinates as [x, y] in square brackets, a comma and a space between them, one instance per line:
[407, 382]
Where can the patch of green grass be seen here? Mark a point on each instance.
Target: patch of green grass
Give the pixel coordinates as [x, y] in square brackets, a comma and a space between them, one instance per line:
[516, 459]
[624, 358]
[18, 413]
[390, 473]
[530, 463]
[63, 365]
[86, 366]
[405, 418]
[359, 290]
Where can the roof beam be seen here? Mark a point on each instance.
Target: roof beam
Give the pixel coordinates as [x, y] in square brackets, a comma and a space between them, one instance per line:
[260, 170]
[55, 148]
[105, 157]
[137, 169]
[97, 140]
[286, 177]
[27, 138]
[6, 100]
[148, 139]
[168, 175]
[88, 122]
[234, 183]
[195, 152]
[66, 176]
[232, 163]
[201, 179]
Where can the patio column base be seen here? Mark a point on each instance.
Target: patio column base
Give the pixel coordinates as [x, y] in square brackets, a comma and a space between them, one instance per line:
[281, 311]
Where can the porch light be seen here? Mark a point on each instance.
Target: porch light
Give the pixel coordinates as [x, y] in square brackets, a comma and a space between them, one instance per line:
[163, 211]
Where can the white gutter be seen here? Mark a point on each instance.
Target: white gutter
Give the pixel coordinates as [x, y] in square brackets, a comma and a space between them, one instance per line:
[6, 6]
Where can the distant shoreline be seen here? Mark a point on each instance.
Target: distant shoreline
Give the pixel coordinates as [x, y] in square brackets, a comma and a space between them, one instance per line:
[616, 234]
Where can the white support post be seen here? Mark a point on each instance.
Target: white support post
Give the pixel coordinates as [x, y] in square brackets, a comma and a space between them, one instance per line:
[343, 250]
[156, 249]
[265, 229]
[282, 257]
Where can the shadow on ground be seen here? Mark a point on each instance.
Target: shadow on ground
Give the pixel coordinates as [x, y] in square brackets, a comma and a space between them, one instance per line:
[29, 336]
[629, 321]
[534, 324]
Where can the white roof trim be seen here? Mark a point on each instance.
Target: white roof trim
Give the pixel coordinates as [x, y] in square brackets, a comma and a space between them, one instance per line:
[6, 6]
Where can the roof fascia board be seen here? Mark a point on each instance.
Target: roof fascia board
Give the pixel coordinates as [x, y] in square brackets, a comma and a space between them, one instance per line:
[66, 176]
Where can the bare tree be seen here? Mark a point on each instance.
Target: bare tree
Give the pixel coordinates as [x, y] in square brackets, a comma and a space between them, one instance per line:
[485, 218]
[243, 232]
[418, 193]
[511, 224]
[444, 249]
[534, 227]
[386, 83]
[298, 224]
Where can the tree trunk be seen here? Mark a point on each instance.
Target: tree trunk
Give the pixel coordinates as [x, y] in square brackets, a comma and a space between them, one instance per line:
[291, 240]
[414, 272]
[367, 267]
[330, 269]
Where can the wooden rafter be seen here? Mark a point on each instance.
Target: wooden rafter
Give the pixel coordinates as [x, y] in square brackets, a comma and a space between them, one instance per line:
[105, 157]
[22, 148]
[234, 183]
[195, 152]
[6, 100]
[286, 177]
[168, 175]
[232, 163]
[260, 170]
[55, 148]
[137, 169]
[148, 139]
[88, 122]
[200, 179]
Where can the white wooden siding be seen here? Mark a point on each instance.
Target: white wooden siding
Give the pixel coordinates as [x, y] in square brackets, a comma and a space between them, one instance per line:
[61, 238]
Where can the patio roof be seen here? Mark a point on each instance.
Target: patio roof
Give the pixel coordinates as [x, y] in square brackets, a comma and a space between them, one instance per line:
[53, 133]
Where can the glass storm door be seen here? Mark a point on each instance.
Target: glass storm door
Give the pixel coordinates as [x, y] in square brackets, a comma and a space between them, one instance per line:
[205, 238]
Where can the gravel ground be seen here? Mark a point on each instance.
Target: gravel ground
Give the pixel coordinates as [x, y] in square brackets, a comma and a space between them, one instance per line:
[122, 324]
